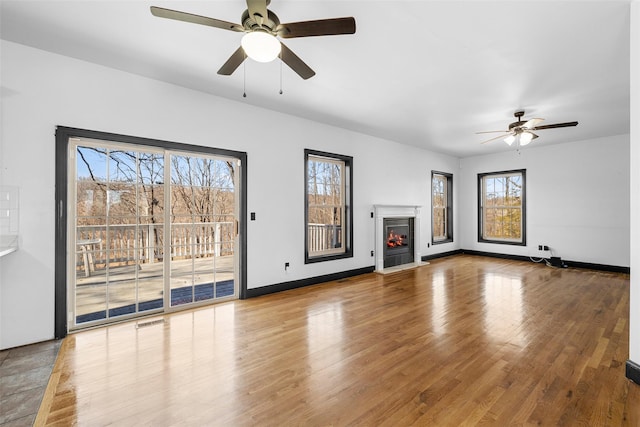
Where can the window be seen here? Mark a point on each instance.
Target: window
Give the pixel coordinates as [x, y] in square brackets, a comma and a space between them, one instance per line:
[501, 212]
[442, 207]
[328, 200]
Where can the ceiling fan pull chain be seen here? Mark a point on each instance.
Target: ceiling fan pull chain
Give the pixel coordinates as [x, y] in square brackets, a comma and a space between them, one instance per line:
[244, 79]
[280, 76]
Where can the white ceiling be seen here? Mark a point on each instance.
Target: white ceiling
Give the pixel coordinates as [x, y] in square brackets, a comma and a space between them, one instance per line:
[425, 73]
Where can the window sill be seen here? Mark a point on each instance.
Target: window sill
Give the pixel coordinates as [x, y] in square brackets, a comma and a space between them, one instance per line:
[440, 242]
[503, 242]
[321, 258]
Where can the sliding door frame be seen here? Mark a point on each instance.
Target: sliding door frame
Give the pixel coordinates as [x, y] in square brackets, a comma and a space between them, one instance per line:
[63, 134]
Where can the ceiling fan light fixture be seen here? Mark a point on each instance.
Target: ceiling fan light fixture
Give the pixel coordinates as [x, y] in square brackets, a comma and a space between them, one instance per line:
[260, 46]
[510, 139]
[525, 138]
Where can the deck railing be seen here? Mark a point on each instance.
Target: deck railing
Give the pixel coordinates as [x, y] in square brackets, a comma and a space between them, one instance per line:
[322, 237]
[124, 244]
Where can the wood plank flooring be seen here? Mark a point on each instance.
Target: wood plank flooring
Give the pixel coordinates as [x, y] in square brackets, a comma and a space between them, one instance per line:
[466, 340]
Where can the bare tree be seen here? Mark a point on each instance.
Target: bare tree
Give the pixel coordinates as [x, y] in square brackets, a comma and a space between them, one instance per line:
[131, 188]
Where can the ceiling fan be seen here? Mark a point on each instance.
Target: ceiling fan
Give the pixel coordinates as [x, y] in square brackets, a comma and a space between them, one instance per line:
[521, 131]
[261, 27]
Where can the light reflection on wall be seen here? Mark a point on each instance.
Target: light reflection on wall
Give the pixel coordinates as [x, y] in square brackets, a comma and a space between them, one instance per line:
[439, 303]
[503, 314]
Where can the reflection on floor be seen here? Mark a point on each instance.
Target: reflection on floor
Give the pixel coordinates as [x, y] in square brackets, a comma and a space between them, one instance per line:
[179, 296]
[24, 374]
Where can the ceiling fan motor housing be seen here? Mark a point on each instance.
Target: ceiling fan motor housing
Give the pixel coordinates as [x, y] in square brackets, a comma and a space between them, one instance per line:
[270, 24]
[516, 125]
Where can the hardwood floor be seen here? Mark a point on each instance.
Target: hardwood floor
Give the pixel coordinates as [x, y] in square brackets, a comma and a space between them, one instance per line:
[465, 340]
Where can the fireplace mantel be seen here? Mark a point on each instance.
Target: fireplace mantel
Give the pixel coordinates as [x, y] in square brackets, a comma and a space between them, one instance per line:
[395, 211]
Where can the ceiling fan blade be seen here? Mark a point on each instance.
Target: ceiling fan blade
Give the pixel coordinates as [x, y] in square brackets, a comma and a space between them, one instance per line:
[258, 10]
[531, 123]
[556, 125]
[492, 131]
[492, 139]
[194, 19]
[233, 62]
[295, 63]
[321, 27]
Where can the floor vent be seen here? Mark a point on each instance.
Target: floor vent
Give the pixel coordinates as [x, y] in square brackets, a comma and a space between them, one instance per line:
[149, 323]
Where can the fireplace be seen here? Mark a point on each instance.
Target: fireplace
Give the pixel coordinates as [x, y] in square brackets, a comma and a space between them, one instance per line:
[398, 244]
[397, 237]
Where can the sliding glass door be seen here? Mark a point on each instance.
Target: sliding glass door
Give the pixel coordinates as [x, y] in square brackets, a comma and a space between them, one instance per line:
[151, 229]
[203, 228]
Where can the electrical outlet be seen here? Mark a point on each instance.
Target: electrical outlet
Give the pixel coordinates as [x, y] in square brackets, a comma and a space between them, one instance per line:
[539, 247]
[286, 266]
[545, 247]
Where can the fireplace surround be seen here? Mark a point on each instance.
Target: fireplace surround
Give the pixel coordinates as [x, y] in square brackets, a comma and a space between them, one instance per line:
[404, 220]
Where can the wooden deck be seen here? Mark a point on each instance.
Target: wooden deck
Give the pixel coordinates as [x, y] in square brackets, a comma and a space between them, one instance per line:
[465, 340]
[92, 292]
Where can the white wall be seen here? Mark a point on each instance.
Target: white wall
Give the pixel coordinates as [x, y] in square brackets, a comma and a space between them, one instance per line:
[634, 320]
[41, 90]
[577, 197]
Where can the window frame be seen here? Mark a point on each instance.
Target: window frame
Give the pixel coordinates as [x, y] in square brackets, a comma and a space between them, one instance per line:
[448, 209]
[523, 207]
[347, 200]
